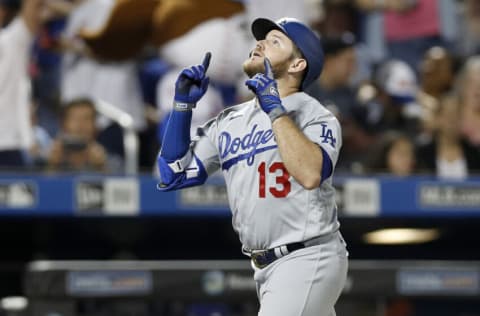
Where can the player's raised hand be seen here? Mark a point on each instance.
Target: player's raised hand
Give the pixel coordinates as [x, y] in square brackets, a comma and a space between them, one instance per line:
[191, 85]
[265, 88]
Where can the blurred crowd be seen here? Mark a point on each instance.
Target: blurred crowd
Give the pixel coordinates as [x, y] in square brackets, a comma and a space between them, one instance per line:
[402, 76]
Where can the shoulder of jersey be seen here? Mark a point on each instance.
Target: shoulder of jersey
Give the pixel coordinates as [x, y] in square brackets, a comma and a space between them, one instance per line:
[232, 111]
[226, 114]
[310, 104]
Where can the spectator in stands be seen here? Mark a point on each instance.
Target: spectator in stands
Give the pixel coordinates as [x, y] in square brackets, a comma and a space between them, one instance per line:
[84, 76]
[448, 154]
[405, 29]
[338, 17]
[335, 91]
[436, 78]
[19, 24]
[333, 87]
[75, 148]
[393, 105]
[468, 41]
[225, 38]
[46, 61]
[468, 88]
[436, 72]
[394, 154]
[41, 144]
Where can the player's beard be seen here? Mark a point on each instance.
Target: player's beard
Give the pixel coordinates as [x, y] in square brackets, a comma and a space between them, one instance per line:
[251, 68]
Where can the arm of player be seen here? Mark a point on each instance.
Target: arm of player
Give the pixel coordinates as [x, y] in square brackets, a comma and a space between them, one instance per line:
[306, 162]
[175, 156]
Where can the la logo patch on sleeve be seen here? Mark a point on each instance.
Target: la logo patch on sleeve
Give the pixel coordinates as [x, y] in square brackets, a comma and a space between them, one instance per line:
[327, 135]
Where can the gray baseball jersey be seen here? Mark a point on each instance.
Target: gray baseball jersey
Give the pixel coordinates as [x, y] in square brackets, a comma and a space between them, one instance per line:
[269, 207]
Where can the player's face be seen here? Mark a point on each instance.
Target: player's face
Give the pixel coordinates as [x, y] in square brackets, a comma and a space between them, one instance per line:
[279, 50]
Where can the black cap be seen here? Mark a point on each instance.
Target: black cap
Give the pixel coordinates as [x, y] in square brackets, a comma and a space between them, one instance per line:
[335, 44]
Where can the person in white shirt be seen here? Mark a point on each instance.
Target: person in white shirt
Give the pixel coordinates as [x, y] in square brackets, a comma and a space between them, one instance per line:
[19, 24]
[85, 76]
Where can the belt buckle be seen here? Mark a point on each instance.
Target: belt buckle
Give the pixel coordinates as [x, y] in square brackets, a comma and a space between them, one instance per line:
[255, 258]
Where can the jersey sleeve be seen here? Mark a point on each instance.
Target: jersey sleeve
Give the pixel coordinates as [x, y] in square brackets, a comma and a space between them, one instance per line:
[203, 162]
[325, 131]
[204, 146]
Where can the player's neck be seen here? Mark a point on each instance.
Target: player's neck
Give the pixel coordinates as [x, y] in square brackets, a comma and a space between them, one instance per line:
[287, 87]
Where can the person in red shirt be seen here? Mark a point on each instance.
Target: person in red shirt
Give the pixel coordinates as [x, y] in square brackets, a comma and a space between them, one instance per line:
[411, 27]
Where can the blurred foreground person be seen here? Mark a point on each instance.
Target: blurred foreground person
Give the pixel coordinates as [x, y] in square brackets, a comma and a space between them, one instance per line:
[19, 24]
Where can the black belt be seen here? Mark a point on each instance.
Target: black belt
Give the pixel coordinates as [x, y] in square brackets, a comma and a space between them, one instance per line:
[262, 258]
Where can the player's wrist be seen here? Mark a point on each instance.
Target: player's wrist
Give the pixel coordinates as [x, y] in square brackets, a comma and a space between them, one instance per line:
[183, 106]
[276, 112]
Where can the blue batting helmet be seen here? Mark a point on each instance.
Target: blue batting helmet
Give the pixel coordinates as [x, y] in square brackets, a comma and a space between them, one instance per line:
[302, 36]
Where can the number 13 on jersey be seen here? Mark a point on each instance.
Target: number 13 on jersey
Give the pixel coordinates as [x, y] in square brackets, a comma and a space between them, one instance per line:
[277, 170]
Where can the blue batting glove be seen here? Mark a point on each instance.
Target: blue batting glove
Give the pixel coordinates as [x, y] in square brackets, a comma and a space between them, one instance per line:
[265, 88]
[191, 85]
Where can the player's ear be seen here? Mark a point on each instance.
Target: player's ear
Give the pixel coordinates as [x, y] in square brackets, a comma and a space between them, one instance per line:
[297, 65]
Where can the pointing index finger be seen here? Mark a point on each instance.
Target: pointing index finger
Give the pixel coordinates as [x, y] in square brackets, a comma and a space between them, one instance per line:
[268, 68]
[206, 61]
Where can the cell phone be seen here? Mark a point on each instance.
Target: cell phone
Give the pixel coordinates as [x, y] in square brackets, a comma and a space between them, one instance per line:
[71, 143]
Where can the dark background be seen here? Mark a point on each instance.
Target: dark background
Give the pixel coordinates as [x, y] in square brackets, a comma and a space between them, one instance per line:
[186, 237]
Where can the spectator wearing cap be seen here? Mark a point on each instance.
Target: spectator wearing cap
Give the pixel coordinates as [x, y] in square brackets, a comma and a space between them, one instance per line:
[332, 89]
[394, 103]
[19, 24]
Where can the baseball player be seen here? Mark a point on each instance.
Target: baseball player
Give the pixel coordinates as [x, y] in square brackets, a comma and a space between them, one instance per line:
[277, 153]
